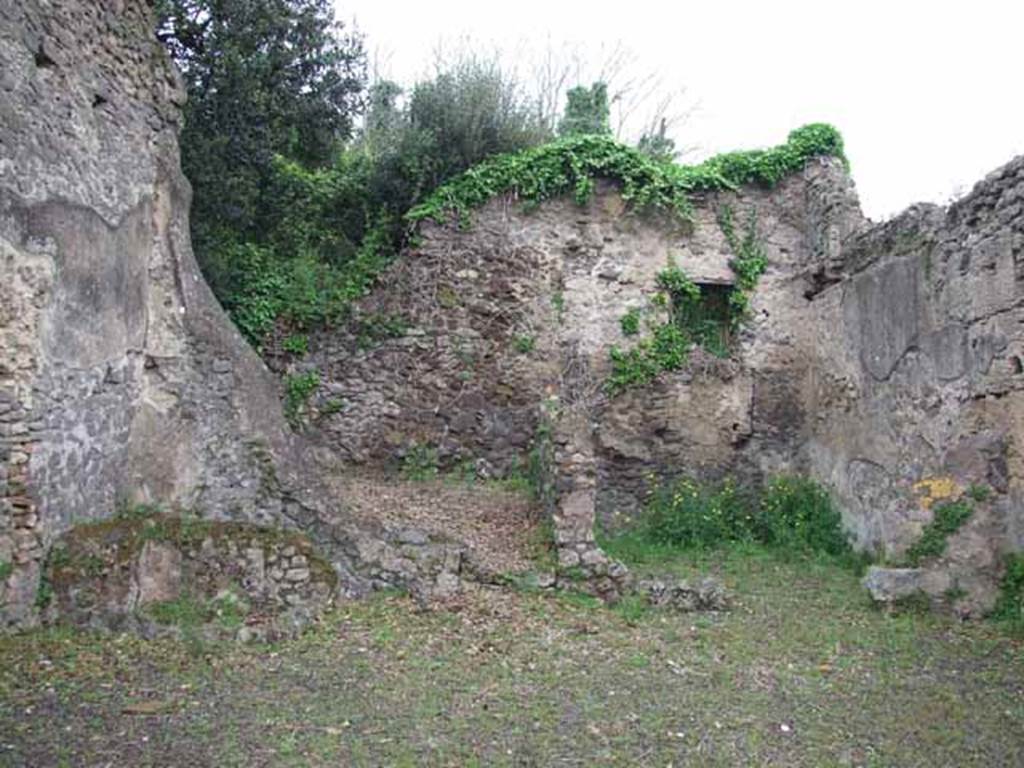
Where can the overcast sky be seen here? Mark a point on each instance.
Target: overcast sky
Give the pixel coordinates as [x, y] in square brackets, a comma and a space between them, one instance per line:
[928, 95]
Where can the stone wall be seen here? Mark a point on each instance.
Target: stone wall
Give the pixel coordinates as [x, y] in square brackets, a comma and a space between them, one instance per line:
[878, 358]
[121, 379]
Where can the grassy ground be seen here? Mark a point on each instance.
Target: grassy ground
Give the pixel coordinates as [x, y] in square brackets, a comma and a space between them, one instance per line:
[803, 672]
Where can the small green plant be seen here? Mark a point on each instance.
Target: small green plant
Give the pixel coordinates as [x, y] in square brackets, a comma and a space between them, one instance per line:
[558, 302]
[420, 462]
[297, 389]
[979, 492]
[128, 510]
[332, 406]
[796, 513]
[184, 611]
[947, 520]
[667, 350]
[1009, 608]
[296, 344]
[6, 569]
[633, 609]
[524, 343]
[375, 328]
[630, 322]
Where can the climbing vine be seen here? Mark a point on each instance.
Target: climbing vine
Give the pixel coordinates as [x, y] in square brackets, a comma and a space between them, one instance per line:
[701, 315]
[571, 164]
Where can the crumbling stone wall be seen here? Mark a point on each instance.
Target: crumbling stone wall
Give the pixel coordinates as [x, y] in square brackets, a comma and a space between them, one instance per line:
[876, 358]
[121, 380]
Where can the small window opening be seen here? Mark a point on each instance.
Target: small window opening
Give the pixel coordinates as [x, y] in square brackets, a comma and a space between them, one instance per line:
[709, 320]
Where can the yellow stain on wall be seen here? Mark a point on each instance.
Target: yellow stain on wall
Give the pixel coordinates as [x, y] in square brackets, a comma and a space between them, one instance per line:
[933, 489]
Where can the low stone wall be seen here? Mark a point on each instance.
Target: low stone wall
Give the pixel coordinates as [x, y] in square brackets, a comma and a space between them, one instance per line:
[159, 573]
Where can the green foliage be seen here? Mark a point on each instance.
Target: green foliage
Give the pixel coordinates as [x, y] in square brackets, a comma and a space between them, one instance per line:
[264, 78]
[297, 344]
[792, 514]
[678, 285]
[630, 322]
[572, 163]
[1009, 608]
[586, 111]
[185, 611]
[749, 262]
[332, 406]
[420, 462]
[666, 350]
[6, 569]
[524, 343]
[683, 513]
[127, 510]
[298, 388]
[302, 291]
[947, 520]
[796, 513]
[558, 302]
[979, 492]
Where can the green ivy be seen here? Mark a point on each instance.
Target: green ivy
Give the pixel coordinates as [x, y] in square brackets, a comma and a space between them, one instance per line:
[947, 520]
[630, 322]
[571, 164]
[750, 260]
[297, 389]
[302, 291]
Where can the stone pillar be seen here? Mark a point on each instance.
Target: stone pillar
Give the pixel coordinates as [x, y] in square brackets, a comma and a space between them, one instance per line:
[581, 562]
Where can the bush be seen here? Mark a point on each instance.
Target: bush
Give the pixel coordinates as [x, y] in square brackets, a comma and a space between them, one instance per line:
[790, 513]
[685, 514]
[797, 513]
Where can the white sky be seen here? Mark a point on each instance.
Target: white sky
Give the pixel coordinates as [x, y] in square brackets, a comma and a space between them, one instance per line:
[929, 96]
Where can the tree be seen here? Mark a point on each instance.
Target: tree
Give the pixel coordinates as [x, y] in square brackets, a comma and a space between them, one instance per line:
[586, 111]
[265, 78]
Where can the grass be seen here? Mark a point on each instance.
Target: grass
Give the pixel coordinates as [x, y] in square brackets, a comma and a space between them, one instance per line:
[803, 672]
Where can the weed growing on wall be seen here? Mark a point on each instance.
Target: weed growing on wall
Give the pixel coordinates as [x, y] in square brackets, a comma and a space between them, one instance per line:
[298, 388]
[420, 462]
[948, 519]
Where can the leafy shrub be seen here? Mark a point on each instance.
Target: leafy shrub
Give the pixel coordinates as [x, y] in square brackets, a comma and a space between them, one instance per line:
[947, 520]
[797, 513]
[524, 343]
[685, 514]
[790, 513]
[667, 350]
